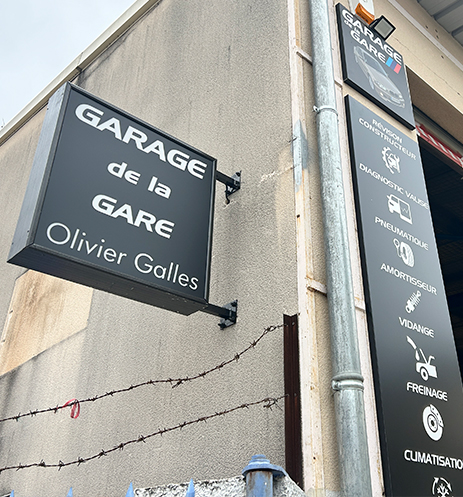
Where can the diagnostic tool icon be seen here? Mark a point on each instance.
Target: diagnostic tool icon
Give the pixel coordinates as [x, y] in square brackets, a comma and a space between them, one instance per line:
[400, 207]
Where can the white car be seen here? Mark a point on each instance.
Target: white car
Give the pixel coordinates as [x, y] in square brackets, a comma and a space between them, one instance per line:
[377, 77]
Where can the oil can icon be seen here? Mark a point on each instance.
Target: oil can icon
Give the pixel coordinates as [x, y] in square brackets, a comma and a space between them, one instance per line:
[400, 207]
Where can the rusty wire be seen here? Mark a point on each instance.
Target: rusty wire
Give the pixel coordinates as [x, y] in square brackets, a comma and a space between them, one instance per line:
[268, 402]
[174, 382]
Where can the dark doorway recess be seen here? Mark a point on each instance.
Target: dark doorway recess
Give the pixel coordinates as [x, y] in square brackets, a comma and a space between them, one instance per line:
[444, 182]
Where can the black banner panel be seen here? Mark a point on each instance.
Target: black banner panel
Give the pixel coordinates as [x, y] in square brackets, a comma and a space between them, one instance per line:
[116, 204]
[417, 377]
[373, 67]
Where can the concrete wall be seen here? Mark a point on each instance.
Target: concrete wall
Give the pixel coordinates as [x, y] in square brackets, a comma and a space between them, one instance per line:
[216, 76]
[230, 487]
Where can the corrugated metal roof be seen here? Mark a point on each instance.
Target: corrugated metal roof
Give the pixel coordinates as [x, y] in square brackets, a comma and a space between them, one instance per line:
[448, 13]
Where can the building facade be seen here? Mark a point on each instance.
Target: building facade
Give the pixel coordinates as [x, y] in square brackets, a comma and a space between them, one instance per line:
[177, 396]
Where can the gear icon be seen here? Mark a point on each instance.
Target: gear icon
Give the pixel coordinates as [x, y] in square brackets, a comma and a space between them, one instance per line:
[391, 160]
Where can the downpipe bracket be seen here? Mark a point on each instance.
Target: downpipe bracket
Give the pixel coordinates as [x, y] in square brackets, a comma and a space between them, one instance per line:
[317, 110]
[347, 381]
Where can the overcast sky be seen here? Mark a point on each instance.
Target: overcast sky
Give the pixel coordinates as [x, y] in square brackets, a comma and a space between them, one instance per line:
[39, 38]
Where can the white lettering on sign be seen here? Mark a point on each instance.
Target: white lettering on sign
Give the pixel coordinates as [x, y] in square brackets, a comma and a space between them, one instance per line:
[60, 234]
[76, 240]
[427, 391]
[381, 178]
[384, 133]
[107, 205]
[433, 459]
[144, 263]
[159, 188]
[354, 22]
[416, 199]
[401, 232]
[119, 170]
[419, 328]
[93, 117]
[410, 279]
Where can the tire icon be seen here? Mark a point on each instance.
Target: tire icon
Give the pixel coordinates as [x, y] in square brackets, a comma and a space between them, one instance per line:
[424, 373]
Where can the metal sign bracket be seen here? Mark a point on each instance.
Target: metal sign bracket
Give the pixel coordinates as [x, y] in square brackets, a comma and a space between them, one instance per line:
[232, 183]
[227, 313]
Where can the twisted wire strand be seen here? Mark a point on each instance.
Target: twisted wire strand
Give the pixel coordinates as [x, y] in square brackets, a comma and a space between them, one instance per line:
[175, 382]
[268, 403]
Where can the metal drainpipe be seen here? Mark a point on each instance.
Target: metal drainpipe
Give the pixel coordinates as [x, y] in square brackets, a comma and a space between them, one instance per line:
[347, 378]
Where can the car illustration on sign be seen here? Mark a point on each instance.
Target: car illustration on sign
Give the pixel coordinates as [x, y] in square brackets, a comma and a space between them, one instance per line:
[423, 363]
[377, 78]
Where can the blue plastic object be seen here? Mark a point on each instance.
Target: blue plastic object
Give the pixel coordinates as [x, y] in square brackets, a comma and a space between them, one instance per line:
[259, 474]
[260, 463]
[191, 489]
[130, 491]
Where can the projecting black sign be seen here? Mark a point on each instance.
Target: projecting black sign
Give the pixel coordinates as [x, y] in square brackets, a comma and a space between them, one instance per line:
[118, 205]
[373, 67]
[418, 384]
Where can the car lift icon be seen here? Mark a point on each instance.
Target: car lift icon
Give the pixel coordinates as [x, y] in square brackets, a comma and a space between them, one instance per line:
[425, 368]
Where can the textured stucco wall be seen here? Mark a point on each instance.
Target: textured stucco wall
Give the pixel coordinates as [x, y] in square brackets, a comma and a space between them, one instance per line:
[216, 76]
[56, 309]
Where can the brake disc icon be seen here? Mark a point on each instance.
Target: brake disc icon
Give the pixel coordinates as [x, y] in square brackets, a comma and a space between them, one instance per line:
[433, 423]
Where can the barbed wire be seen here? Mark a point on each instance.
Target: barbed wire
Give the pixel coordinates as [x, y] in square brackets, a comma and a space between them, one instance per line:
[268, 402]
[175, 382]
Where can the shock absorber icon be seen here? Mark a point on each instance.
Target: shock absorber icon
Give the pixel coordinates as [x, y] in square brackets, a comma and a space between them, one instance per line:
[413, 301]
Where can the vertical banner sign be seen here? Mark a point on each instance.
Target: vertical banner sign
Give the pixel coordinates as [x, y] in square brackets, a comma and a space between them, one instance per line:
[118, 205]
[373, 67]
[418, 385]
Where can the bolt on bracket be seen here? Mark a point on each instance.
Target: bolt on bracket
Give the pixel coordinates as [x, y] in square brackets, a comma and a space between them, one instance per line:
[227, 313]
